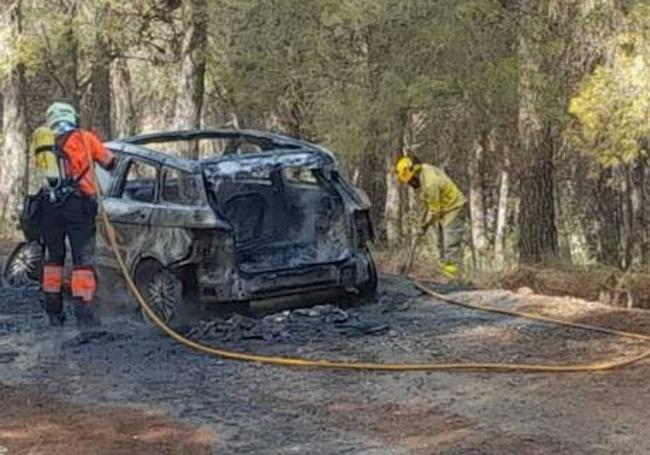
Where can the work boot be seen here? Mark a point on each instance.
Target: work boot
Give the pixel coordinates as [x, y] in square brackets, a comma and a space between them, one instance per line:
[84, 315]
[56, 320]
[54, 308]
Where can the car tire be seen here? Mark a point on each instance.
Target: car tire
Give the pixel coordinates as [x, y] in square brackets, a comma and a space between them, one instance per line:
[368, 289]
[24, 265]
[163, 291]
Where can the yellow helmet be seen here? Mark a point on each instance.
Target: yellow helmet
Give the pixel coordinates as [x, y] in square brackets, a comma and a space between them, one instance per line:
[406, 169]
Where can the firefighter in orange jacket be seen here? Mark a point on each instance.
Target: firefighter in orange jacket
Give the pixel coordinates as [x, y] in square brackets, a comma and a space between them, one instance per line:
[69, 211]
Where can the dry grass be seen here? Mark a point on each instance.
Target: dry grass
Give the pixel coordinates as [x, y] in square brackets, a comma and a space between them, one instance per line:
[607, 285]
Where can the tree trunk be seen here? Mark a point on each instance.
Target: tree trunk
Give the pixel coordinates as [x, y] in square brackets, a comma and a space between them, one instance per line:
[68, 78]
[396, 195]
[502, 217]
[563, 217]
[124, 120]
[372, 178]
[100, 90]
[637, 205]
[538, 233]
[191, 82]
[626, 209]
[477, 206]
[392, 207]
[13, 165]
[608, 214]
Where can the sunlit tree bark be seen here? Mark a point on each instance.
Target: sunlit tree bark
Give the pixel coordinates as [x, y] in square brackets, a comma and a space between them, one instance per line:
[477, 206]
[191, 81]
[502, 216]
[13, 162]
[123, 109]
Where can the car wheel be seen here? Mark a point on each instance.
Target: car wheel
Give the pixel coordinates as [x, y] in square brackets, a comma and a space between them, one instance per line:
[162, 290]
[368, 289]
[24, 265]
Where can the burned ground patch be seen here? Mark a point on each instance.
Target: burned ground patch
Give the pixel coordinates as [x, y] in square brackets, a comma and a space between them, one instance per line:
[248, 408]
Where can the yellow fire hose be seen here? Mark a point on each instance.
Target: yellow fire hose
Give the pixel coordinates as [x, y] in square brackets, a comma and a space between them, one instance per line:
[385, 367]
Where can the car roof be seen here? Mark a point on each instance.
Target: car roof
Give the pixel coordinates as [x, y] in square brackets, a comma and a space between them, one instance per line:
[272, 145]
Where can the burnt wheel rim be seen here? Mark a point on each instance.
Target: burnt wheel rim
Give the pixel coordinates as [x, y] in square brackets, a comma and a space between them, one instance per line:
[162, 292]
[23, 267]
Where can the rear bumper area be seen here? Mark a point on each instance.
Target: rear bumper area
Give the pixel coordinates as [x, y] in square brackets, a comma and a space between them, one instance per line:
[341, 276]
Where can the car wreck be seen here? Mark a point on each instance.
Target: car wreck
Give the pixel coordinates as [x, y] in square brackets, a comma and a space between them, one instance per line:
[268, 219]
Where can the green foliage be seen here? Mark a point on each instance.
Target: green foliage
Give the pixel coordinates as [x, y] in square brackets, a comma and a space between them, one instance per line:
[16, 50]
[612, 106]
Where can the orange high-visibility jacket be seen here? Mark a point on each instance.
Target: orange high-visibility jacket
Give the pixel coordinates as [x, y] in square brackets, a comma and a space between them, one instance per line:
[78, 148]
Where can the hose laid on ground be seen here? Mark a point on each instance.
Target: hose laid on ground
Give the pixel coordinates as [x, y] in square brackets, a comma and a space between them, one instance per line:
[533, 317]
[370, 366]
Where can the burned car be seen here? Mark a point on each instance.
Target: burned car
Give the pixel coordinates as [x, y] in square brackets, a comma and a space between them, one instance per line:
[265, 219]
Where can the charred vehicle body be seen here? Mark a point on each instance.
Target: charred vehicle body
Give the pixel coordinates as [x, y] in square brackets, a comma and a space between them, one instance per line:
[266, 218]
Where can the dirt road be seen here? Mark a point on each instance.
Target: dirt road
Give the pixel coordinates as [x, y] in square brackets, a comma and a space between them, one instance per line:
[123, 388]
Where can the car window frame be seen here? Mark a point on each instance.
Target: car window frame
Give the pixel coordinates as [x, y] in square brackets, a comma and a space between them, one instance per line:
[203, 201]
[118, 190]
[316, 182]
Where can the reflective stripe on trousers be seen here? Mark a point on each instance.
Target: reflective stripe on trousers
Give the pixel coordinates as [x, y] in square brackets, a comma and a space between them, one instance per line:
[52, 280]
[84, 284]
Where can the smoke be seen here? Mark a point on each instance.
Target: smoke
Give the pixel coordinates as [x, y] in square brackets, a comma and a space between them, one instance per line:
[113, 298]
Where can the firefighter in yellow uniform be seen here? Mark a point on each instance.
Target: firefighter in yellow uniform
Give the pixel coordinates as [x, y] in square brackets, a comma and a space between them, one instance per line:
[444, 207]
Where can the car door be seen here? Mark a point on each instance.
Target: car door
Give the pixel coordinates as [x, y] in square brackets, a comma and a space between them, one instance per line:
[106, 180]
[129, 204]
[182, 210]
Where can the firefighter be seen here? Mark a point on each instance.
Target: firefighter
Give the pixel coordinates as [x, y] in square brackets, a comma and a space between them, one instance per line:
[69, 210]
[444, 207]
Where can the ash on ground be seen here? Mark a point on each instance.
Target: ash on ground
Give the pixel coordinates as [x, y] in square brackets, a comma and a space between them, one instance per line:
[327, 322]
[304, 324]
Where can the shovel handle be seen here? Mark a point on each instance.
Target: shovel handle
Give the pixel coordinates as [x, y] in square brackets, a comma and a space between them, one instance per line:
[411, 257]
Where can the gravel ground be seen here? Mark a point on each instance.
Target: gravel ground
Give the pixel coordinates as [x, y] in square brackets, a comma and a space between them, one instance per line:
[128, 368]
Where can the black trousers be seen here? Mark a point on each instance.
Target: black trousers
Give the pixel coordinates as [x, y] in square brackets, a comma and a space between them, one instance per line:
[74, 219]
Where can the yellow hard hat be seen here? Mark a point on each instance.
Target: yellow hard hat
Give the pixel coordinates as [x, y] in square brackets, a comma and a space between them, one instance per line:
[406, 169]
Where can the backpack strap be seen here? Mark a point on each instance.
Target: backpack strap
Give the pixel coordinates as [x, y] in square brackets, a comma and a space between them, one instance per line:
[60, 142]
[81, 176]
[43, 148]
[59, 147]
